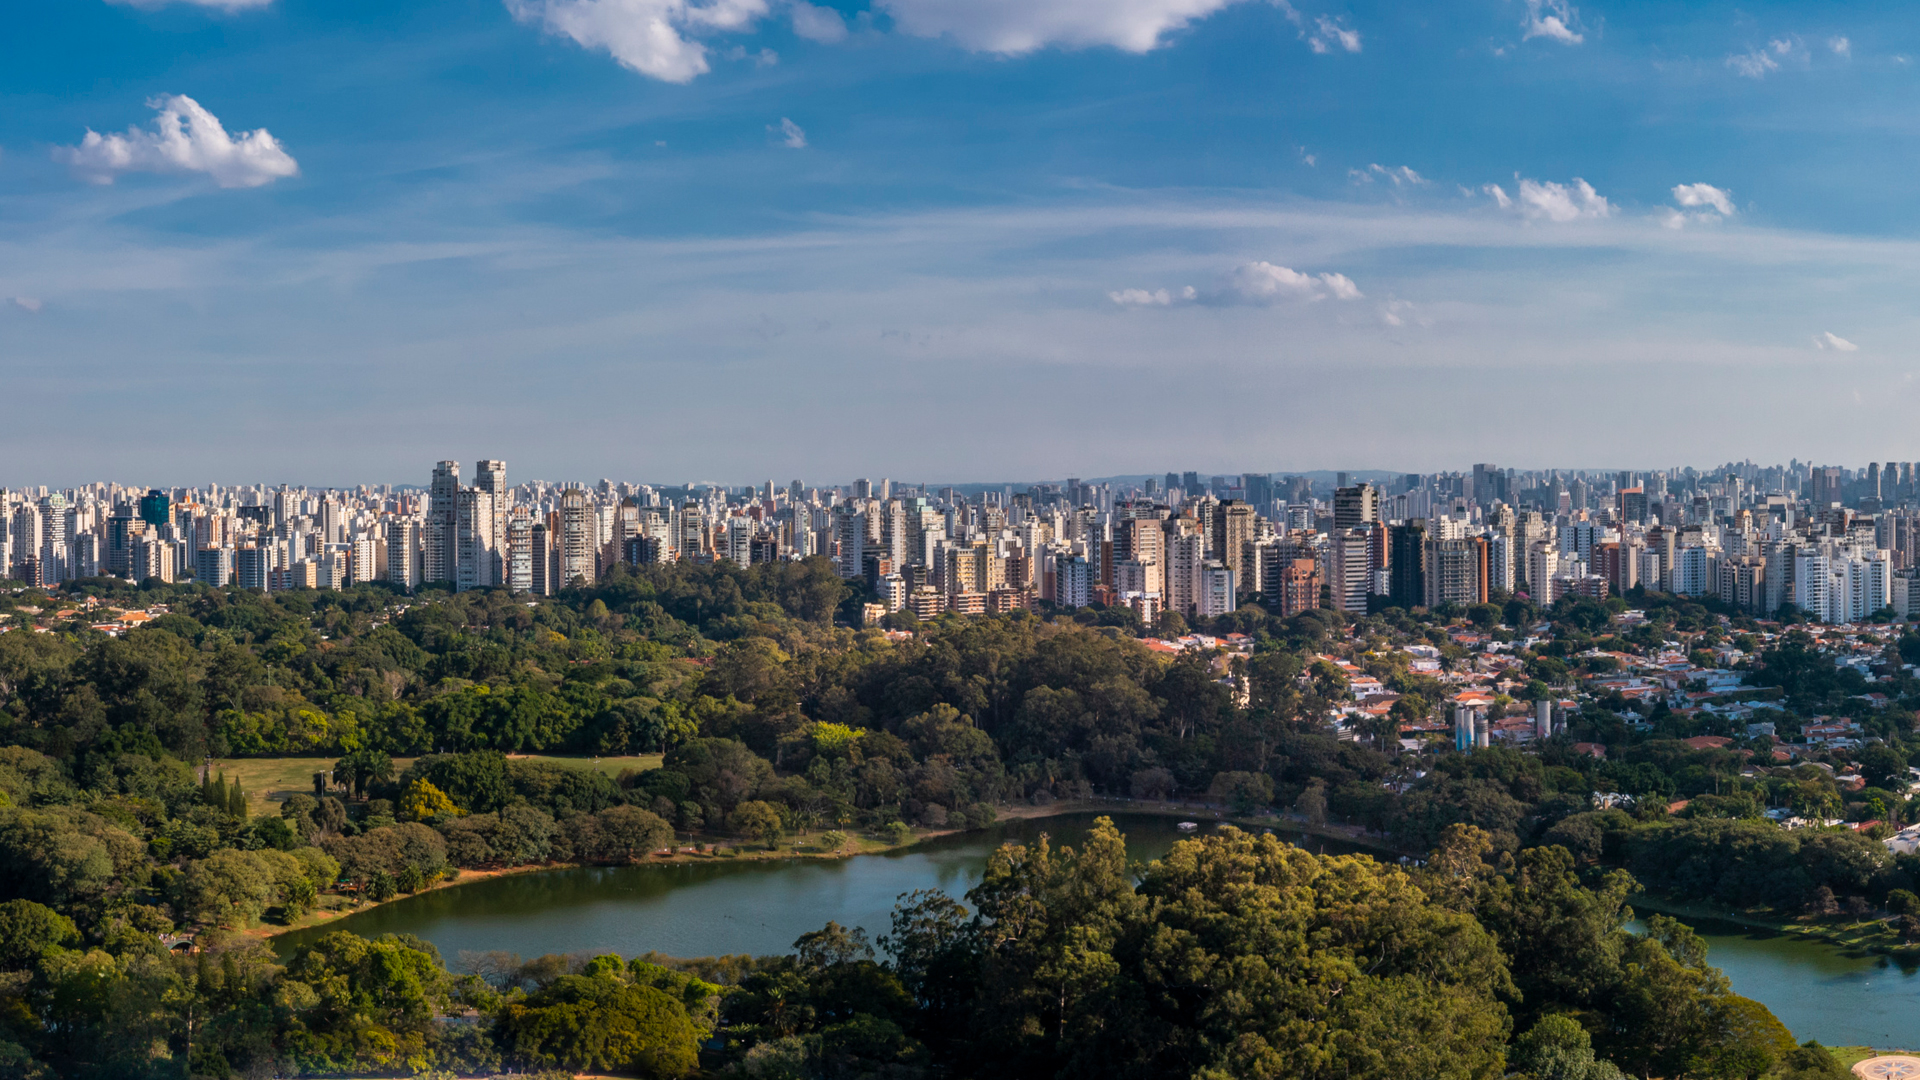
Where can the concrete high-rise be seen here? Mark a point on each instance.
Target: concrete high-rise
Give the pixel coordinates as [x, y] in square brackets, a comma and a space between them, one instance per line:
[473, 523]
[1356, 507]
[1456, 571]
[579, 538]
[439, 539]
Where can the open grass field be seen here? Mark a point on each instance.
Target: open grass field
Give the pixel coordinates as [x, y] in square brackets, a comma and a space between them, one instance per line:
[271, 780]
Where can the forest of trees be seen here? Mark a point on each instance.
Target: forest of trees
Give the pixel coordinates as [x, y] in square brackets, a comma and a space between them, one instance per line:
[1236, 956]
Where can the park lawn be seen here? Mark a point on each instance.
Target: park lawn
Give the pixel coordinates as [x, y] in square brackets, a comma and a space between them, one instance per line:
[269, 780]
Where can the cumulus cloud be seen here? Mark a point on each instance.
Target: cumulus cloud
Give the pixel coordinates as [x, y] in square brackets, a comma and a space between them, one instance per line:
[822, 24]
[1841, 47]
[1328, 35]
[1694, 195]
[1828, 340]
[1709, 203]
[788, 134]
[1562, 202]
[27, 304]
[1499, 195]
[223, 5]
[1012, 27]
[1264, 283]
[1259, 283]
[652, 37]
[186, 138]
[1551, 19]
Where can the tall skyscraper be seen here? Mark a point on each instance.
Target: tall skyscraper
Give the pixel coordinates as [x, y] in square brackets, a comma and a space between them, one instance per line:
[579, 538]
[439, 538]
[520, 553]
[1407, 564]
[473, 539]
[491, 477]
[1356, 507]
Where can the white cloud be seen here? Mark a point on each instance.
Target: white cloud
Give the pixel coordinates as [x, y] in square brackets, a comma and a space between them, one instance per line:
[1753, 64]
[1263, 283]
[1259, 283]
[1709, 203]
[1399, 312]
[1695, 195]
[1329, 34]
[1399, 174]
[789, 134]
[1310, 159]
[1012, 27]
[1841, 47]
[647, 36]
[27, 303]
[1562, 202]
[185, 138]
[822, 24]
[1551, 19]
[1499, 194]
[1783, 46]
[1830, 340]
[224, 5]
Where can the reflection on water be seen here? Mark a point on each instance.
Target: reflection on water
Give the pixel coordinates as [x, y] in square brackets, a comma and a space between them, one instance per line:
[709, 908]
[1841, 997]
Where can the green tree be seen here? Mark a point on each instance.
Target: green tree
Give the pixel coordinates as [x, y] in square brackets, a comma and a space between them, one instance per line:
[600, 1024]
[757, 820]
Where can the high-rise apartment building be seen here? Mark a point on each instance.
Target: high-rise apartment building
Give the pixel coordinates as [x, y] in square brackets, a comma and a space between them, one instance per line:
[1233, 524]
[490, 476]
[403, 553]
[1356, 507]
[1407, 564]
[439, 536]
[520, 553]
[579, 538]
[1456, 571]
[473, 524]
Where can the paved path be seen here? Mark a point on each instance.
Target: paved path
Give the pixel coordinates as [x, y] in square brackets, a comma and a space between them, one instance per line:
[1893, 1067]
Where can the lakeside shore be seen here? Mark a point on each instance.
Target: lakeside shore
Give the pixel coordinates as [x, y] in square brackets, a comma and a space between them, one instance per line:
[856, 845]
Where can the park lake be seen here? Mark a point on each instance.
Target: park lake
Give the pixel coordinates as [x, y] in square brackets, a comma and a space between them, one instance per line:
[721, 906]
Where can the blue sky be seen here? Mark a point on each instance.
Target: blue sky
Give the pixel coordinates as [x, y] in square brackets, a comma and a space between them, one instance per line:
[950, 239]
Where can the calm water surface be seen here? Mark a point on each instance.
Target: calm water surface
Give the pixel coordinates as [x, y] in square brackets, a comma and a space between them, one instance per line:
[706, 909]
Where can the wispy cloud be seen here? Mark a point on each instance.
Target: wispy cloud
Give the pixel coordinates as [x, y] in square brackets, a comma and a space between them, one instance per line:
[788, 134]
[1328, 35]
[1551, 19]
[1753, 65]
[27, 303]
[1841, 47]
[1399, 174]
[1828, 340]
[186, 138]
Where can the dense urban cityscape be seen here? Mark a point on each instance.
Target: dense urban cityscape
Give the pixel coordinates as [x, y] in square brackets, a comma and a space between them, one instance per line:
[1836, 544]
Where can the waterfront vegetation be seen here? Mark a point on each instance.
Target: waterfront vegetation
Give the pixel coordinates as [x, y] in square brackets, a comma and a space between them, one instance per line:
[721, 710]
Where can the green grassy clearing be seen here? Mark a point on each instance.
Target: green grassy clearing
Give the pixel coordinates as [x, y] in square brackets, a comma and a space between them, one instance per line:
[270, 780]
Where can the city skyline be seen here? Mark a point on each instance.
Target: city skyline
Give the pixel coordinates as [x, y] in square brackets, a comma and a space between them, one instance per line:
[329, 241]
